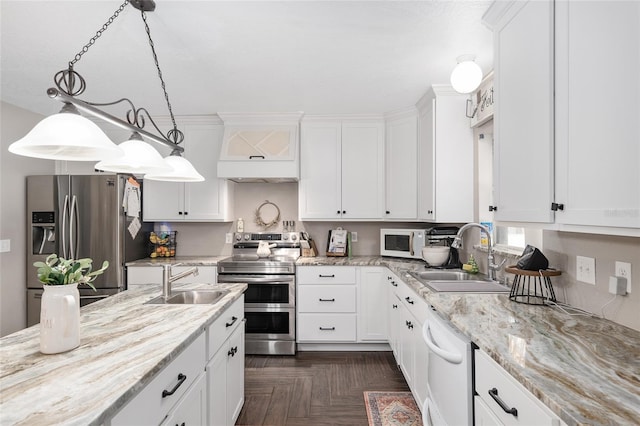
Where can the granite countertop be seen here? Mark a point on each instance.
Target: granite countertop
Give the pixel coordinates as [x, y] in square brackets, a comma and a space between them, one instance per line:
[123, 344]
[584, 368]
[185, 260]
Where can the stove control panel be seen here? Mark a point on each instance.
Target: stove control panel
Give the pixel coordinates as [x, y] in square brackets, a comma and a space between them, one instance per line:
[282, 237]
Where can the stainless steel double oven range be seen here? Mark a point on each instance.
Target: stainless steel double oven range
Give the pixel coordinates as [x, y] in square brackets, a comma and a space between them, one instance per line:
[270, 299]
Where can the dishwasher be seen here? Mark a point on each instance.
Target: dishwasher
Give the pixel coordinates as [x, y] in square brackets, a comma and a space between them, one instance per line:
[450, 391]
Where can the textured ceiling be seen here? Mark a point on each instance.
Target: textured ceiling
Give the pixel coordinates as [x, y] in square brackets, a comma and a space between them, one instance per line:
[263, 56]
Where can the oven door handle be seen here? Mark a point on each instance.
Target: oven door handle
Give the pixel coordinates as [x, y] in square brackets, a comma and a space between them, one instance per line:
[252, 280]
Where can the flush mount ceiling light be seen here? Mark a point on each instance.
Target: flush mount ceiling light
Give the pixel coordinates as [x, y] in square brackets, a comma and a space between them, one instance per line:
[467, 75]
[71, 137]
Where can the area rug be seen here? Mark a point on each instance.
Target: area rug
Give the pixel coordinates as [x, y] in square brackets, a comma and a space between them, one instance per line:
[392, 409]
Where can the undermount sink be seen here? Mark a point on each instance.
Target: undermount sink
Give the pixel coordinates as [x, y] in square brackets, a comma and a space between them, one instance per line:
[190, 297]
[458, 281]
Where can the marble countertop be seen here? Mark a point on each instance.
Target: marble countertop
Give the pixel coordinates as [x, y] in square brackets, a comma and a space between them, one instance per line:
[185, 260]
[584, 368]
[123, 344]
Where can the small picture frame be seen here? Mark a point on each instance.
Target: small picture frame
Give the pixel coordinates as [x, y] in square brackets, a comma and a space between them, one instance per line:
[337, 242]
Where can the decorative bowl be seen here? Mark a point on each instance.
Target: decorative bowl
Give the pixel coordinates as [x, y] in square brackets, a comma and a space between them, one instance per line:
[435, 255]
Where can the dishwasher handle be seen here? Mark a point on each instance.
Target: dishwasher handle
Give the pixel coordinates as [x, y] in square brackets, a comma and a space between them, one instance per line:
[452, 357]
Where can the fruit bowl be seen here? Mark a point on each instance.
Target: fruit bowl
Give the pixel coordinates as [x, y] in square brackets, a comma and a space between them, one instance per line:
[435, 255]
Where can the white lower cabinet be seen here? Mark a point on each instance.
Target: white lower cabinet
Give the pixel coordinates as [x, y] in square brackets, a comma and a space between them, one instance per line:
[372, 305]
[164, 393]
[192, 408]
[225, 368]
[407, 315]
[505, 401]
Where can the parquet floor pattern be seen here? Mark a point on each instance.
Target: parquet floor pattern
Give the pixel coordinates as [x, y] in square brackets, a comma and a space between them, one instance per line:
[315, 388]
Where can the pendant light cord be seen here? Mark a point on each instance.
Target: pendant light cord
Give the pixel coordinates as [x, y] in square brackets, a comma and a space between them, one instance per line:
[174, 135]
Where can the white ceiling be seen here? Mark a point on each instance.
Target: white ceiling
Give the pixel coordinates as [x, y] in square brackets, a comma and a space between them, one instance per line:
[239, 56]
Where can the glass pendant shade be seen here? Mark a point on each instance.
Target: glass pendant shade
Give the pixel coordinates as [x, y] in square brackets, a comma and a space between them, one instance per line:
[182, 171]
[66, 136]
[466, 76]
[139, 158]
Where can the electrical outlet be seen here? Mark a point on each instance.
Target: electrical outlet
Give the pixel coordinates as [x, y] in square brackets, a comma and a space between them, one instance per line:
[586, 269]
[5, 246]
[229, 238]
[623, 269]
[354, 237]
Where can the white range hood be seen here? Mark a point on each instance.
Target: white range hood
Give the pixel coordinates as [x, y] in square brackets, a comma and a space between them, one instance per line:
[260, 147]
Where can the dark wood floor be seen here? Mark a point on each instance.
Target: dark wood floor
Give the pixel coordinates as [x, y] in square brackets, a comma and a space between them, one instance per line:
[315, 388]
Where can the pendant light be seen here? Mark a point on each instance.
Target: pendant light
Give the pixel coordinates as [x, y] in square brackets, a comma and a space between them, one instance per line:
[71, 137]
[66, 136]
[181, 171]
[138, 158]
[467, 75]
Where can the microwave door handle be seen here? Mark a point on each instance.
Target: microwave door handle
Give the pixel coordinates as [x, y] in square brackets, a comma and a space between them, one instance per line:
[411, 251]
[65, 213]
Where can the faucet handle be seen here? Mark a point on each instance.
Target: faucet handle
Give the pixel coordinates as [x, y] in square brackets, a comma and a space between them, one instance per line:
[495, 267]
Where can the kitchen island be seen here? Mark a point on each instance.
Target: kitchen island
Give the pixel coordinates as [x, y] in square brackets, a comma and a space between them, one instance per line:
[585, 369]
[124, 343]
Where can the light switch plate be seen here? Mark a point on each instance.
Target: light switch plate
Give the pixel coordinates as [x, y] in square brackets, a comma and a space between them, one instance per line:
[229, 238]
[354, 237]
[623, 269]
[5, 246]
[586, 269]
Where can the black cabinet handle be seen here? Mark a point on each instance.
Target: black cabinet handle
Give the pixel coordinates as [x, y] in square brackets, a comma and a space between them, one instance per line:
[409, 324]
[429, 211]
[344, 212]
[555, 207]
[393, 283]
[181, 379]
[327, 276]
[327, 328]
[338, 212]
[387, 212]
[327, 300]
[233, 351]
[233, 321]
[186, 213]
[180, 213]
[394, 306]
[493, 208]
[251, 157]
[494, 394]
[408, 299]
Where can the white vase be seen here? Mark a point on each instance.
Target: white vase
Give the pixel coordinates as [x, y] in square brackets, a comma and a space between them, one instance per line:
[59, 318]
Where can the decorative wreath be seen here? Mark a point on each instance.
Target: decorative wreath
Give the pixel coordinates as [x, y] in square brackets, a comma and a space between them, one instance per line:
[260, 222]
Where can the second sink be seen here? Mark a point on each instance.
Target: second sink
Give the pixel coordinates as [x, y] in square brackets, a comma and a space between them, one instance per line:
[190, 297]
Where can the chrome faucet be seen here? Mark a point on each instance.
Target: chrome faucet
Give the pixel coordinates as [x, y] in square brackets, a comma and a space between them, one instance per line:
[167, 278]
[492, 267]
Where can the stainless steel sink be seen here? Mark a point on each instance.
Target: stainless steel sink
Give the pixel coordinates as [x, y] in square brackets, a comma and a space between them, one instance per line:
[458, 281]
[190, 297]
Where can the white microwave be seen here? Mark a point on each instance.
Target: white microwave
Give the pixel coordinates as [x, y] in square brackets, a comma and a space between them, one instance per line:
[405, 243]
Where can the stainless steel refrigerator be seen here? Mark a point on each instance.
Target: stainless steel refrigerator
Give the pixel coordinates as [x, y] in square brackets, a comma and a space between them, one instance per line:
[76, 217]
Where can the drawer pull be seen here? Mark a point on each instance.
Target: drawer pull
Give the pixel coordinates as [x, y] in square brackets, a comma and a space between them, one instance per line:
[327, 328]
[233, 321]
[233, 351]
[494, 394]
[393, 283]
[408, 299]
[409, 324]
[327, 276]
[181, 379]
[394, 306]
[327, 300]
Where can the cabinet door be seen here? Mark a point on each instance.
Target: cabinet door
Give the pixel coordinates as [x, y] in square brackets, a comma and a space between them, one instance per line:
[597, 113]
[320, 173]
[192, 408]
[407, 344]
[162, 201]
[235, 375]
[217, 388]
[482, 415]
[421, 366]
[143, 275]
[372, 305]
[362, 170]
[426, 155]
[523, 120]
[208, 200]
[401, 173]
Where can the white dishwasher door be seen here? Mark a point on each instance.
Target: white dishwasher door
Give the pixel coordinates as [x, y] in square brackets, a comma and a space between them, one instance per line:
[450, 391]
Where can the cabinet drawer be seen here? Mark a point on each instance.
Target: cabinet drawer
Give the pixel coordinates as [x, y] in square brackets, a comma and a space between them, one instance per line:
[223, 326]
[414, 303]
[149, 406]
[326, 327]
[326, 275]
[530, 411]
[327, 298]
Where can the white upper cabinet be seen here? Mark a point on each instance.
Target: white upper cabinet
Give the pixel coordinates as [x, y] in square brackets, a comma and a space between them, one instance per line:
[523, 121]
[401, 172]
[445, 157]
[198, 201]
[270, 144]
[342, 170]
[598, 114]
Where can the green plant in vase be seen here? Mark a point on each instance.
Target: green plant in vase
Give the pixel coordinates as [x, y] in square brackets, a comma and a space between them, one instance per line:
[59, 271]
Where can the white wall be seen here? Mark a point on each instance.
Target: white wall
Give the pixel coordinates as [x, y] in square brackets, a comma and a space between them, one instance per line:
[14, 124]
